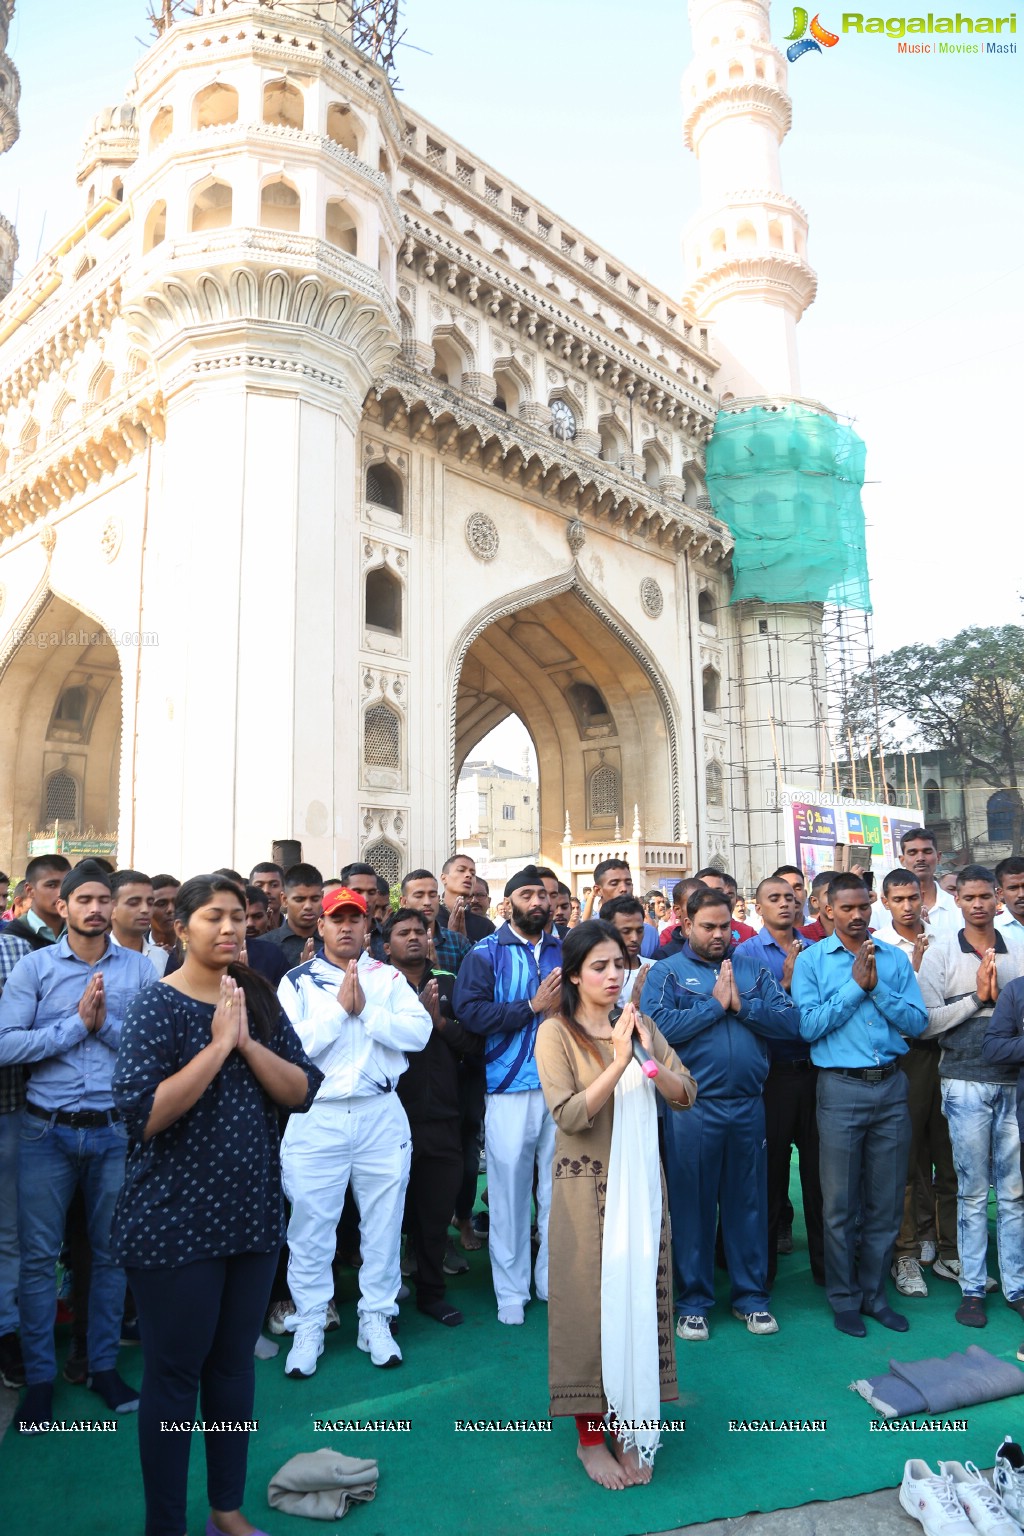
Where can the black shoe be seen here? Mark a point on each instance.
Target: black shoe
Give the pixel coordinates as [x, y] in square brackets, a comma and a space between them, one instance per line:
[130, 1331]
[76, 1366]
[12, 1367]
[36, 1408]
[115, 1392]
[454, 1263]
[785, 1239]
[971, 1312]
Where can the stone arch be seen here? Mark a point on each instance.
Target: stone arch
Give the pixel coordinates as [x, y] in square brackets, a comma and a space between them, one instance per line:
[656, 462]
[513, 384]
[280, 205]
[59, 417]
[210, 206]
[383, 486]
[542, 639]
[213, 105]
[711, 690]
[706, 612]
[775, 235]
[341, 225]
[161, 128]
[613, 439]
[932, 801]
[100, 385]
[1000, 814]
[56, 651]
[344, 127]
[283, 104]
[154, 230]
[746, 234]
[383, 733]
[718, 242]
[453, 354]
[714, 785]
[385, 858]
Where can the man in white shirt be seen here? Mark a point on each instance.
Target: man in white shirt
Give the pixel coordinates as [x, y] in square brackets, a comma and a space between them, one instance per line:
[356, 1018]
[919, 853]
[1010, 878]
[132, 914]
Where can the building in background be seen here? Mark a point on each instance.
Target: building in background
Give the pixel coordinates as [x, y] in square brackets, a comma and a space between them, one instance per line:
[305, 355]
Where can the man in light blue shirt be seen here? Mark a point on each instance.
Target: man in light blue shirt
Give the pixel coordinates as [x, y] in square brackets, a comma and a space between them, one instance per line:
[857, 1002]
[61, 1013]
[1010, 881]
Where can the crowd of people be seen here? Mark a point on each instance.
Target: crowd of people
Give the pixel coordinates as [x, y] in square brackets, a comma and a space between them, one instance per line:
[211, 1090]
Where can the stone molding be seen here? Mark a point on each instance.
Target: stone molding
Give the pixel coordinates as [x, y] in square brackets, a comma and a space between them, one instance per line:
[569, 581]
[778, 273]
[90, 309]
[733, 99]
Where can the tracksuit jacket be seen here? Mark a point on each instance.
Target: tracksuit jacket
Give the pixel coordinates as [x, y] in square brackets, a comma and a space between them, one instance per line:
[492, 992]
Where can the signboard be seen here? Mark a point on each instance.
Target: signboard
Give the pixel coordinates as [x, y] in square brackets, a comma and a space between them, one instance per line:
[815, 821]
[74, 847]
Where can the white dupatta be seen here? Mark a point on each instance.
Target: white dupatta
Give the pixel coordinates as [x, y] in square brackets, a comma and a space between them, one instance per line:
[629, 1267]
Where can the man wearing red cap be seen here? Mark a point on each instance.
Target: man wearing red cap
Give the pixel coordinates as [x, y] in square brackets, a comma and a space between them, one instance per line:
[356, 1019]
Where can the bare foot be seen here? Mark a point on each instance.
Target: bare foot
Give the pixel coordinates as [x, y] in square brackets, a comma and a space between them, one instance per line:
[467, 1237]
[635, 1470]
[232, 1522]
[600, 1465]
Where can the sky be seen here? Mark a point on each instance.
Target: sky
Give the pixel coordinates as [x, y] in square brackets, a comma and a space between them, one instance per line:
[910, 168]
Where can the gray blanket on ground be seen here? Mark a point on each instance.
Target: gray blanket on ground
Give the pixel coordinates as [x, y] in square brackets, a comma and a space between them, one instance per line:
[322, 1484]
[937, 1386]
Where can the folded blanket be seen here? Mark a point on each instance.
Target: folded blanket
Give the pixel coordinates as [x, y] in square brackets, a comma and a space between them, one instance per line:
[322, 1484]
[937, 1386]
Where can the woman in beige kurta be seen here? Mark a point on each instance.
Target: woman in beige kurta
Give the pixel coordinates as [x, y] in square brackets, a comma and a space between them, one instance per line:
[580, 1057]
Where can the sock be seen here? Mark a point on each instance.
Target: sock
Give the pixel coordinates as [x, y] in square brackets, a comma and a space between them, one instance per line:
[441, 1312]
[265, 1349]
[116, 1393]
[849, 1322]
[36, 1407]
[512, 1314]
[890, 1319]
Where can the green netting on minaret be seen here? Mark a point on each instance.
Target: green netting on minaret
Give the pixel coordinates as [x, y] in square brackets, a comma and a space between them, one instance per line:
[787, 480]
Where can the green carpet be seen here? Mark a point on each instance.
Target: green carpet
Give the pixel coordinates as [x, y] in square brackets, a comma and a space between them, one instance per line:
[435, 1480]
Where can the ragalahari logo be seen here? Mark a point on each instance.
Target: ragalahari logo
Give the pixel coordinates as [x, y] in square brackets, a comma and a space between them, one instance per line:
[799, 44]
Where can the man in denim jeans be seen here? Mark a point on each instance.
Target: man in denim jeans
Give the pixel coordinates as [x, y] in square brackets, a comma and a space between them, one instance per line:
[961, 977]
[61, 1012]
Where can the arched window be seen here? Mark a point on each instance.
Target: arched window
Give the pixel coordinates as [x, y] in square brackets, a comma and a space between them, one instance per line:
[932, 801]
[340, 227]
[155, 229]
[117, 190]
[711, 684]
[161, 127]
[71, 706]
[384, 859]
[282, 104]
[746, 234]
[706, 607]
[383, 487]
[718, 241]
[382, 738]
[714, 785]
[605, 799]
[611, 446]
[341, 126]
[102, 383]
[279, 206]
[1000, 811]
[652, 468]
[775, 235]
[591, 710]
[383, 601]
[61, 798]
[29, 440]
[215, 104]
[211, 207]
[735, 70]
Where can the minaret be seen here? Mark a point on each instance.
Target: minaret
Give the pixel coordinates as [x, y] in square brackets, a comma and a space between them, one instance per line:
[749, 278]
[10, 128]
[746, 250]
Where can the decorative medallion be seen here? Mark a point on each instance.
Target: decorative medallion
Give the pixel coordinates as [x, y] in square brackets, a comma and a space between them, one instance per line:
[482, 536]
[110, 538]
[576, 535]
[48, 538]
[651, 599]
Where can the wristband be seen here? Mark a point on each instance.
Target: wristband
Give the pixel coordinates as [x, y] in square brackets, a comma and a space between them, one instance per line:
[650, 1069]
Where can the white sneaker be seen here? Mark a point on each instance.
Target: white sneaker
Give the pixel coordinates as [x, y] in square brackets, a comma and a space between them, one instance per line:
[1008, 1477]
[693, 1328]
[909, 1279]
[932, 1501]
[982, 1505]
[757, 1322]
[282, 1317]
[949, 1269]
[376, 1340]
[333, 1320]
[928, 1251]
[305, 1351]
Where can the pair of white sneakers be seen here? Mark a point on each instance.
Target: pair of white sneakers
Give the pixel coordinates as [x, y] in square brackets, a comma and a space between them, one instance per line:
[959, 1502]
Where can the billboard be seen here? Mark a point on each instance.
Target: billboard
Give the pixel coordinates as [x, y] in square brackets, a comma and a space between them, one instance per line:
[816, 820]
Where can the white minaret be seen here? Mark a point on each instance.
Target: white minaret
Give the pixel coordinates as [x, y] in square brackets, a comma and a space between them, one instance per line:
[746, 250]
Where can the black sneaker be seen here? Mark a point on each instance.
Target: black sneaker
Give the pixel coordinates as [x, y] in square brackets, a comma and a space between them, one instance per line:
[12, 1367]
[971, 1312]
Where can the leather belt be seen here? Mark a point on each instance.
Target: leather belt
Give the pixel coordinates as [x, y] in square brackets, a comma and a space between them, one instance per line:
[77, 1119]
[803, 1065]
[866, 1074]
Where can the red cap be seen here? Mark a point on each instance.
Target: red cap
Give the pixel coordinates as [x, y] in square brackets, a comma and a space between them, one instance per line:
[341, 896]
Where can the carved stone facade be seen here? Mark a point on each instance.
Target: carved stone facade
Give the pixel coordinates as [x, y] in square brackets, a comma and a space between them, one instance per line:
[376, 450]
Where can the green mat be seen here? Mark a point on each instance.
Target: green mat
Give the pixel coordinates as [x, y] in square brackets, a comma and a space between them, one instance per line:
[436, 1479]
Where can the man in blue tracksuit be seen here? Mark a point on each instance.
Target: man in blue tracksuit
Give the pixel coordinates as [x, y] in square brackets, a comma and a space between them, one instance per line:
[505, 987]
[719, 1014]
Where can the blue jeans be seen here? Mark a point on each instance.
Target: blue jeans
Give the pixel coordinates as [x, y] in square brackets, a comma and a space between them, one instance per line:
[10, 1126]
[983, 1129]
[52, 1160]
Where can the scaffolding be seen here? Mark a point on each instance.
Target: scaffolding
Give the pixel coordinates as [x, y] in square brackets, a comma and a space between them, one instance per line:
[372, 25]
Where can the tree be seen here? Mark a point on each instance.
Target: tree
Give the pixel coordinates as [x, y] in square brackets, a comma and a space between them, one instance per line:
[964, 697]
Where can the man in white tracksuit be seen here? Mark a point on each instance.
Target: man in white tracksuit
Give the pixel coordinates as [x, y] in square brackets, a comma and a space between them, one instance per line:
[355, 1018]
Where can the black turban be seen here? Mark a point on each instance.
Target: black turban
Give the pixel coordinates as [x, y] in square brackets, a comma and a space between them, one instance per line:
[86, 873]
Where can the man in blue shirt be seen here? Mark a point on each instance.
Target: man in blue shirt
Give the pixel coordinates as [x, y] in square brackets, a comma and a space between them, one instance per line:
[61, 1012]
[857, 1001]
[506, 985]
[719, 1014]
[790, 1090]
